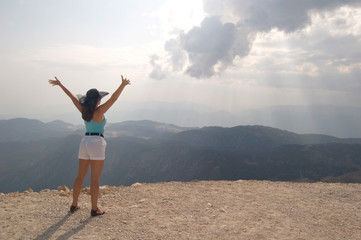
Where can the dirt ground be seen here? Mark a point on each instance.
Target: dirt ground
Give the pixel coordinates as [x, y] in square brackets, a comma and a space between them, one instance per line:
[194, 210]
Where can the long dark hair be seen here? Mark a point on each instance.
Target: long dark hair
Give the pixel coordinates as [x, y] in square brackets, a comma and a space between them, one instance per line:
[88, 111]
[89, 104]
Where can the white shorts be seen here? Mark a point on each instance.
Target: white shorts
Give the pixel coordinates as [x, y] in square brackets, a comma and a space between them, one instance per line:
[92, 148]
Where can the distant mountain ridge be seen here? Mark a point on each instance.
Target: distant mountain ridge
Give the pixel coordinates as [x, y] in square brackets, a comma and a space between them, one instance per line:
[340, 121]
[142, 129]
[244, 138]
[333, 120]
[147, 151]
[23, 129]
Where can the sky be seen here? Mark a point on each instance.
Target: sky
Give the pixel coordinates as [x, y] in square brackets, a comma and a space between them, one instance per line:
[220, 55]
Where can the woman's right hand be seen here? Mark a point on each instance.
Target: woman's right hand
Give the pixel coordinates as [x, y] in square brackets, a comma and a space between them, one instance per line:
[125, 81]
[55, 82]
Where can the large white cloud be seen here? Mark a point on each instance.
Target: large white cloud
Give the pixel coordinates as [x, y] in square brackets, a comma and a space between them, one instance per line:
[211, 44]
[230, 29]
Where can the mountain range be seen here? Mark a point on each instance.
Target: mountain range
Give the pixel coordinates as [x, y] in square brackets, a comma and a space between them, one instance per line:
[339, 121]
[42, 155]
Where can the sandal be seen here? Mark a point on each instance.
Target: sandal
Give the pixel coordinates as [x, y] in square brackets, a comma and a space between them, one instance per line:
[74, 208]
[95, 213]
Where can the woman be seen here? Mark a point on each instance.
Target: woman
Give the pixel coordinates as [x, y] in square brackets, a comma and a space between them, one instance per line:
[92, 146]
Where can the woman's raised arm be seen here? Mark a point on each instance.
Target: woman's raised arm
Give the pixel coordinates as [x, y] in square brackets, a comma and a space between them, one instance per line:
[73, 98]
[105, 106]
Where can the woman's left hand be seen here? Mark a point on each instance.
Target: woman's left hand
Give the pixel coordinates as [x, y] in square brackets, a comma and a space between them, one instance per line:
[55, 82]
[125, 81]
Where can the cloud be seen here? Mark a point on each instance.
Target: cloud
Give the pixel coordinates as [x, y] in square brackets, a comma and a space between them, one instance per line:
[157, 73]
[178, 57]
[230, 29]
[204, 50]
[264, 15]
[213, 46]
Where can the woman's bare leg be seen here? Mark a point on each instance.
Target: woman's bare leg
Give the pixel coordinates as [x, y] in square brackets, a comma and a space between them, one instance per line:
[78, 183]
[96, 171]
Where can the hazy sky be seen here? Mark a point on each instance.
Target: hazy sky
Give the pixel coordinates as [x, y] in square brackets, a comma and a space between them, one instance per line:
[230, 55]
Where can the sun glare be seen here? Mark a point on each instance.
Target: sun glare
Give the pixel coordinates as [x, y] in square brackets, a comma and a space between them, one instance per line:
[181, 15]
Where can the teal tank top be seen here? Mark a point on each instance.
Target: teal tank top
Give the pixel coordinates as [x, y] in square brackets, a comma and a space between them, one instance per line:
[95, 127]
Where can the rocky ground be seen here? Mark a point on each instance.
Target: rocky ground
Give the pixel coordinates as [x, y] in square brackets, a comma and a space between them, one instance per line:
[194, 210]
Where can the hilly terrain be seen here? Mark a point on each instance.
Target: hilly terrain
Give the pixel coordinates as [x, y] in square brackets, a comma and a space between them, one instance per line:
[146, 151]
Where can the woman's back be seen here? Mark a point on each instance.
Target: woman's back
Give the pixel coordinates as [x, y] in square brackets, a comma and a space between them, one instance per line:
[95, 127]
